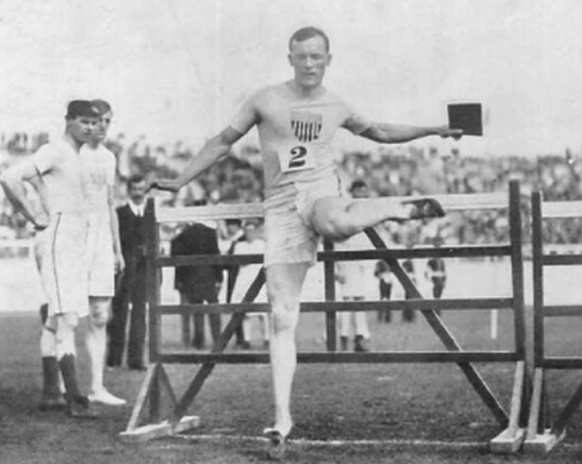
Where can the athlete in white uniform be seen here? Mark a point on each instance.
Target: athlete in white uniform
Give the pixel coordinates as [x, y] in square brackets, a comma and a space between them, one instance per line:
[55, 171]
[297, 121]
[103, 249]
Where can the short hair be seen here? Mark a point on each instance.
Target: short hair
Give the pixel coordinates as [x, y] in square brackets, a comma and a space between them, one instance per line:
[358, 184]
[81, 108]
[102, 105]
[255, 222]
[233, 222]
[309, 32]
[134, 179]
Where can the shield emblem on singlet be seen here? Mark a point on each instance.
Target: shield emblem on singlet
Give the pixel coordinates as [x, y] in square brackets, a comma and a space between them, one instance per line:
[306, 125]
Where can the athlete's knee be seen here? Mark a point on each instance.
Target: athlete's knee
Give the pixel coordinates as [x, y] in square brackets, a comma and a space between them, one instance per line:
[99, 314]
[284, 314]
[283, 321]
[333, 222]
[67, 322]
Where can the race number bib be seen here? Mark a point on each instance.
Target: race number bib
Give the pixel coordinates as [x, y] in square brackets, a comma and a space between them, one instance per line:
[297, 158]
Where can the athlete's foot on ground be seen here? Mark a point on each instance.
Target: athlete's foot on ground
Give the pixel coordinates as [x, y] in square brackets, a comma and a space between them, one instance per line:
[421, 208]
[79, 408]
[104, 397]
[276, 445]
[52, 403]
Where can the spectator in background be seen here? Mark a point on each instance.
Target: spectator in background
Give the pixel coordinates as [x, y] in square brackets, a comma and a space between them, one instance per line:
[409, 315]
[436, 272]
[250, 243]
[197, 284]
[384, 276]
[234, 233]
[354, 276]
[131, 288]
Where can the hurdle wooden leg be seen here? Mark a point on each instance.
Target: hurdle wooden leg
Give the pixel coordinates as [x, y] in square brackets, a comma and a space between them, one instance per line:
[511, 439]
[436, 323]
[156, 377]
[539, 438]
[163, 429]
[136, 433]
[141, 398]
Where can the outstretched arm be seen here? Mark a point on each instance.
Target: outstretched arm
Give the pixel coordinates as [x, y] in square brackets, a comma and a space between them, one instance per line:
[393, 133]
[211, 152]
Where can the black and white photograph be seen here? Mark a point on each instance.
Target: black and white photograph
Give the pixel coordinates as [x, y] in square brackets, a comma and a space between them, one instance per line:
[304, 231]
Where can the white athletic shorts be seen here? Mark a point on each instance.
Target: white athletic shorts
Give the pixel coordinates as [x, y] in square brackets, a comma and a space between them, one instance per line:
[290, 236]
[100, 257]
[60, 255]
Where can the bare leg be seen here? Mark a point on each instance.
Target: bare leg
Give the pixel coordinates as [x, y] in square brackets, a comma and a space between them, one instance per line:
[340, 218]
[284, 283]
[96, 343]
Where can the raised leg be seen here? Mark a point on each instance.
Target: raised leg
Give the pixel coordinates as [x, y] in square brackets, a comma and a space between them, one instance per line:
[340, 218]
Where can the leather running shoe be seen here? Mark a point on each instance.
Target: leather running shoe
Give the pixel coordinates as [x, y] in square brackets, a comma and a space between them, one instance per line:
[79, 408]
[425, 208]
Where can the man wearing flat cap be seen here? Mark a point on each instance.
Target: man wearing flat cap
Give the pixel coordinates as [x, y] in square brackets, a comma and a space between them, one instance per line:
[55, 172]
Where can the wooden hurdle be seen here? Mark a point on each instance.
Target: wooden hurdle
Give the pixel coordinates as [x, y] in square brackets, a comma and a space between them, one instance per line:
[544, 433]
[156, 381]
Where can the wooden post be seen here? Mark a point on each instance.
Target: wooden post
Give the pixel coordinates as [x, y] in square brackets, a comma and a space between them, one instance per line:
[515, 234]
[153, 297]
[329, 282]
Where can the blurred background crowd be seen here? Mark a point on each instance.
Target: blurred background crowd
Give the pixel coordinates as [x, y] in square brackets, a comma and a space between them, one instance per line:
[389, 171]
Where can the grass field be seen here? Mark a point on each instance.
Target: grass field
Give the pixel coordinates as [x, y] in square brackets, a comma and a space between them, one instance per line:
[344, 413]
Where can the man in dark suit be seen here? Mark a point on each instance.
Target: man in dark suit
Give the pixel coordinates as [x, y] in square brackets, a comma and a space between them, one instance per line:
[436, 272]
[132, 285]
[197, 284]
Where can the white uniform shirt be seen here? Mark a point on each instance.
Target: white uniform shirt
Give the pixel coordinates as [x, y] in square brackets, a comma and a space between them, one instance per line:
[61, 170]
[98, 175]
[296, 133]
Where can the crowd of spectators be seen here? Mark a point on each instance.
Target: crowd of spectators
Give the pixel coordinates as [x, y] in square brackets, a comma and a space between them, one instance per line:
[391, 170]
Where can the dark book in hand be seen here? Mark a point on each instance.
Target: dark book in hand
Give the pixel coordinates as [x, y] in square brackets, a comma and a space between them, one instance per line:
[466, 116]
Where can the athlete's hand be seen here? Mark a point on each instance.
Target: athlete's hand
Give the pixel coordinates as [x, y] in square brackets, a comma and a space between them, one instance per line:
[446, 131]
[119, 263]
[40, 223]
[164, 185]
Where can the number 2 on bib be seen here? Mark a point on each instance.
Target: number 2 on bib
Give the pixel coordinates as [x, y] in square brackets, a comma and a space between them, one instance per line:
[297, 159]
